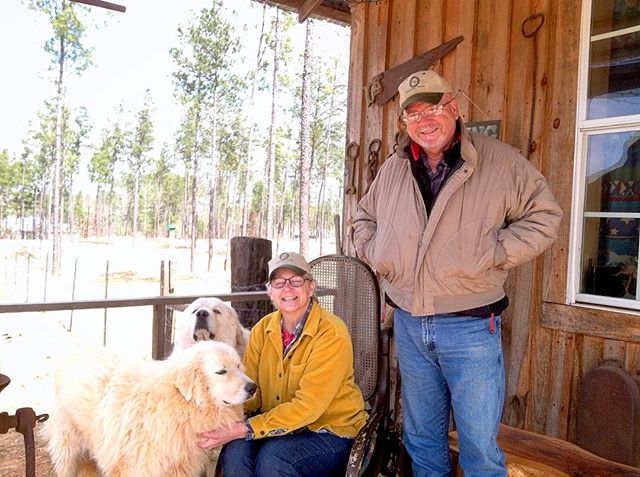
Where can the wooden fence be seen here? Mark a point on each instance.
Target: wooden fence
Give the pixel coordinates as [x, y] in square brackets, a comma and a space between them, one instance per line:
[162, 311]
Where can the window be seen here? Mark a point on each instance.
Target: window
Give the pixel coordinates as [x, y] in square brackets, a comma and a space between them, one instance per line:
[607, 181]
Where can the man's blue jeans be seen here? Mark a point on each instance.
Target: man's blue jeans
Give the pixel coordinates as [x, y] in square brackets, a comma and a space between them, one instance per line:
[301, 454]
[450, 362]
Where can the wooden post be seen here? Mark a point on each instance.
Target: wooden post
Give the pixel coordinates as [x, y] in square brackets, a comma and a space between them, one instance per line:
[73, 291]
[106, 294]
[162, 326]
[249, 268]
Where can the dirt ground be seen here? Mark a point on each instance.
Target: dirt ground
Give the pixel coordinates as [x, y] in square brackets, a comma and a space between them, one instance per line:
[32, 343]
[12, 460]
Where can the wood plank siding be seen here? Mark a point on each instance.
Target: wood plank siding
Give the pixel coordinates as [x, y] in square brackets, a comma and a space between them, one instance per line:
[549, 345]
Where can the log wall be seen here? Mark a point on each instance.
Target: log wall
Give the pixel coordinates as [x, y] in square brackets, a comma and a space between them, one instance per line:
[549, 345]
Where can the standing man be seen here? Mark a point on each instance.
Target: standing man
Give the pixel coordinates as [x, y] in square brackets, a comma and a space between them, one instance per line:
[450, 212]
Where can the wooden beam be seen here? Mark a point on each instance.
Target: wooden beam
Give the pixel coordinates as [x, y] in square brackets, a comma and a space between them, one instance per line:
[103, 4]
[126, 302]
[321, 12]
[306, 8]
[619, 325]
[553, 457]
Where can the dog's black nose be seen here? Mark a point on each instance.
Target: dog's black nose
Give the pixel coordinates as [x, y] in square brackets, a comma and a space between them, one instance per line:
[202, 314]
[201, 323]
[251, 388]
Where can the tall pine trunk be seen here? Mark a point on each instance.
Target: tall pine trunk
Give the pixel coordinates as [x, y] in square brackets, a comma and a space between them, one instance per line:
[194, 194]
[136, 205]
[271, 155]
[57, 166]
[213, 179]
[305, 140]
[246, 194]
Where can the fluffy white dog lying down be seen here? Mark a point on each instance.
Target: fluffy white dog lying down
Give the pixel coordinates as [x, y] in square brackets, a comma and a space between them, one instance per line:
[141, 418]
[210, 319]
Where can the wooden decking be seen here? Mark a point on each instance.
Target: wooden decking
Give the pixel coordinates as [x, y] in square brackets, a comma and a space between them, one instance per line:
[534, 455]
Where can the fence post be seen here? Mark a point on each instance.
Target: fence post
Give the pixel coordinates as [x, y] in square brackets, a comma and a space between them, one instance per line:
[73, 291]
[28, 274]
[162, 326]
[106, 294]
[46, 277]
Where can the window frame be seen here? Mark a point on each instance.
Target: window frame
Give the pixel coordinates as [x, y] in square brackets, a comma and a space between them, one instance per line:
[585, 128]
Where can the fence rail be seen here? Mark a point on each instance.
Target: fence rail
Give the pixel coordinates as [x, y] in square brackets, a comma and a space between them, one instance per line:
[162, 311]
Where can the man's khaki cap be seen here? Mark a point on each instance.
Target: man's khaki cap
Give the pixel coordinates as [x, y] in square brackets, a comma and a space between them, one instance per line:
[291, 260]
[424, 86]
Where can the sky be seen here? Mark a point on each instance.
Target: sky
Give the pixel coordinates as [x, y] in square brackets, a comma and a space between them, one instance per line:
[131, 54]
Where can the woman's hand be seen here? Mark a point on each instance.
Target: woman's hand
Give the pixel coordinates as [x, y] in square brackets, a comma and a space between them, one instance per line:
[219, 437]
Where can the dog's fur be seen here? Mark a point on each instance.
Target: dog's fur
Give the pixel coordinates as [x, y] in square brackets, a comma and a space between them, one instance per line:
[210, 319]
[131, 419]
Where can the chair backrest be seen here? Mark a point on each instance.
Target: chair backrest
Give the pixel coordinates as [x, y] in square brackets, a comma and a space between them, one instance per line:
[348, 288]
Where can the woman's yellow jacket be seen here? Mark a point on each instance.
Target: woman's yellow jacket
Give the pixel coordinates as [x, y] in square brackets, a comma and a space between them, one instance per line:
[312, 386]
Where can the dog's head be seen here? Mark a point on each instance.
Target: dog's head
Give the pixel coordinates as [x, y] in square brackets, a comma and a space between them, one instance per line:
[209, 319]
[212, 371]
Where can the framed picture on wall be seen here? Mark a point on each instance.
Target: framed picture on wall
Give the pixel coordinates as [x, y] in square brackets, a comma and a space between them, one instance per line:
[490, 128]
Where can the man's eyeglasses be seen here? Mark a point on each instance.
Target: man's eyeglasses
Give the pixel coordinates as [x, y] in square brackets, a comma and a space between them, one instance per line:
[428, 112]
[295, 282]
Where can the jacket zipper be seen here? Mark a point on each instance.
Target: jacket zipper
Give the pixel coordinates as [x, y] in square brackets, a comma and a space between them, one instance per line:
[453, 173]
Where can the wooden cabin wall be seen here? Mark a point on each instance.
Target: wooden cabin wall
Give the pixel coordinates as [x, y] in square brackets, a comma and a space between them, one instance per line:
[549, 346]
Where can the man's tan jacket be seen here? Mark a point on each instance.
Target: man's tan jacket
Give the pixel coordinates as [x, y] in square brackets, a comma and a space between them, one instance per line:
[493, 213]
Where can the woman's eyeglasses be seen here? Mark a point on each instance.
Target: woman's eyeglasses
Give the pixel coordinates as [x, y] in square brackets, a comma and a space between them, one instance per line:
[295, 282]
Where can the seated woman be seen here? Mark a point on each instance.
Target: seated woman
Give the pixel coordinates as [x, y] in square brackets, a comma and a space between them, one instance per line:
[308, 408]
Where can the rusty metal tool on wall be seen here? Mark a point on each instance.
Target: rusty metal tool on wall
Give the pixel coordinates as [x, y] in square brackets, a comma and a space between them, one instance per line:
[353, 151]
[373, 161]
[384, 86]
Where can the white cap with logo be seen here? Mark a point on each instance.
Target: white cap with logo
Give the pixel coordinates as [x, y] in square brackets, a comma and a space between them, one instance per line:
[424, 86]
[291, 260]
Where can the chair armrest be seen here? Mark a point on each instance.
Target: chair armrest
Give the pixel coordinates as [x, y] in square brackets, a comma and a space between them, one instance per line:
[381, 399]
[362, 445]
[367, 445]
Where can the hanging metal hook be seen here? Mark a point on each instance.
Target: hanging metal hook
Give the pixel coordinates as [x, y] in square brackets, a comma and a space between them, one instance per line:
[531, 33]
[529, 20]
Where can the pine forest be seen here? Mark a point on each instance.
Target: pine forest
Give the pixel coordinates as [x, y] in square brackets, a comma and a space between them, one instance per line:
[256, 146]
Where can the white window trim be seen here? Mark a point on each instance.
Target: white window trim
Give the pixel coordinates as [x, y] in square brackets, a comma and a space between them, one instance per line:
[584, 129]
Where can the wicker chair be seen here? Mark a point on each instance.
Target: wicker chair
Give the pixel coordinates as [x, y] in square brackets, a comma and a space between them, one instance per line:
[349, 289]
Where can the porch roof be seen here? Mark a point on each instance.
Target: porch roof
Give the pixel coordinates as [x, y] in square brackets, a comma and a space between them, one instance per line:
[335, 11]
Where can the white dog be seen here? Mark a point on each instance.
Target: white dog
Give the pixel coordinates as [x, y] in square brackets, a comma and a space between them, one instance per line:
[130, 419]
[210, 319]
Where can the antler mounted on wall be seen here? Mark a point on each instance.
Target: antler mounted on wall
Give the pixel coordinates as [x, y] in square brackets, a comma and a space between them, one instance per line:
[103, 4]
[384, 86]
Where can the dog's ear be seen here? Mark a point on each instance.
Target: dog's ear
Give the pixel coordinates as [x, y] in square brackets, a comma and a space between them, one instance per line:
[241, 341]
[233, 313]
[240, 338]
[185, 381]
[191, 383]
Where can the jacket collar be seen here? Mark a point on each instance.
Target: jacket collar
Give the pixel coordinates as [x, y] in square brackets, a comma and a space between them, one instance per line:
[310, 327]
[467, 148]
